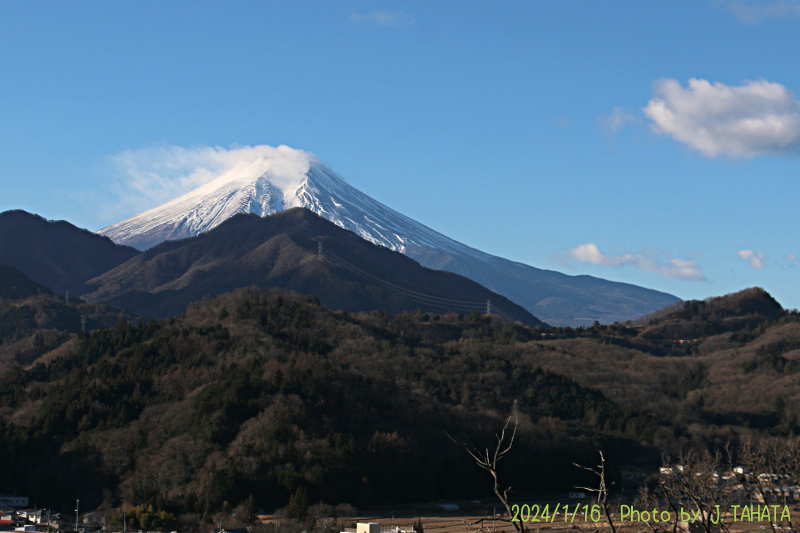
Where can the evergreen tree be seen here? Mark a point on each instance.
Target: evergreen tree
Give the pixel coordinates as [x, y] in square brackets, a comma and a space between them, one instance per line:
[298, 505]
[251, 510]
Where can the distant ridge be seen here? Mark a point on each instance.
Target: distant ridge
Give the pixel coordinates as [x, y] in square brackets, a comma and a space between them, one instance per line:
[15, 284]
[56, 254]
[754, 301]
[270, 180]
[295, 250]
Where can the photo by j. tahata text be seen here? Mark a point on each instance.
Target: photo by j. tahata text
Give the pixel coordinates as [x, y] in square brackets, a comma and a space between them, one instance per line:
[627, 513]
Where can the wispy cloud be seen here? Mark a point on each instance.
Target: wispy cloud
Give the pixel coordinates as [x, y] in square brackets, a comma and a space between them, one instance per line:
[617, 119]
[383, 18]
[670, 268]
[145, 178]
[757, 117]
[755, 11]
[756, 260]
[792, 260]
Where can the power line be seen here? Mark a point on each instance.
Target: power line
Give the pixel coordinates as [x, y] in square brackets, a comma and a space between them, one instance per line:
[450, 304]
[471, 303]
[346, 264]
[502, 314]
[415, 297]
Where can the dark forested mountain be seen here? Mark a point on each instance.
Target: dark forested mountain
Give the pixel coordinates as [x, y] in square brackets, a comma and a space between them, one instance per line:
[15, 284]
[35, 322]
[56, 254]
[256, 394]
[261, 393]
[283, 178]
[753, 302]
[296, 250]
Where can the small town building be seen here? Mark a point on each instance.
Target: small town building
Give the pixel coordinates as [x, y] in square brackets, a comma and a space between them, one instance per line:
[374, 527]
[94, 521]
[13, 501]
[447, 508]
[38, 517]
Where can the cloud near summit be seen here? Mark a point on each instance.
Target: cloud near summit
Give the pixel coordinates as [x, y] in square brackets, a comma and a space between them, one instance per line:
[757, 117]
[673, 268]
[148, 177]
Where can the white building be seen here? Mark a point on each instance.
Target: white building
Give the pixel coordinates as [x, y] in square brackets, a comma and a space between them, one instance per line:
[375, 527]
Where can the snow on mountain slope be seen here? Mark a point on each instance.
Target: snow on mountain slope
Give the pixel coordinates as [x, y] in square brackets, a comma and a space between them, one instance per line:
[271, 183]
[275, 179]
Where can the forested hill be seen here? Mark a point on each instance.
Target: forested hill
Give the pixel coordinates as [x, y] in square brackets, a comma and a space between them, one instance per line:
[56, 254]
[262, 393]
[751, 303]
[295, 250]
[35, 322]
[14, 284]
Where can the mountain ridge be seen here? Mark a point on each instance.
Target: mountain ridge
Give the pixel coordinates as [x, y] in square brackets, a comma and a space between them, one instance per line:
[296, 250]
[276, 379]
[56, 254]
[274, 179]
[15, 284]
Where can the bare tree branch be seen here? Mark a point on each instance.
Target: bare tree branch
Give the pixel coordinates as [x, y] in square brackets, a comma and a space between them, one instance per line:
[602, 492]
[488, 461]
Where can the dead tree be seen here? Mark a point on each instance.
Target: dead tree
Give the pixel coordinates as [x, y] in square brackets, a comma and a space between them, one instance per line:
[647, 499]
[488, 461]
[700, 479]
[772, 467]
[602, 491]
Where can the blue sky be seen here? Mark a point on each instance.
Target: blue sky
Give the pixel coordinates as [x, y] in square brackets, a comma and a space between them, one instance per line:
[655, 143]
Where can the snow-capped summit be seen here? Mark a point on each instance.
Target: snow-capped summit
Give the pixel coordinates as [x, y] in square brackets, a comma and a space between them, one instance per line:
[265, 180]
[274, 180]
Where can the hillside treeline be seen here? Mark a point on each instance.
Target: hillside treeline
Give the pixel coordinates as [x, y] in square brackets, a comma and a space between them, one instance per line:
[255, 395]
[39, 322]
[259, 394]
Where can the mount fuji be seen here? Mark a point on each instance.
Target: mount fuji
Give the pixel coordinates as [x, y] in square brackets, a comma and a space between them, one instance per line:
[277, 179]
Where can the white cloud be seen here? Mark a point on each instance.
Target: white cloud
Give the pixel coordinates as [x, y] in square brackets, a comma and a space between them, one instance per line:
[383, 18]
[742, 121]
[617, 119]
[589, 253]
[754, 259]
[754, 11]
[151, 176]
[672, 268]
